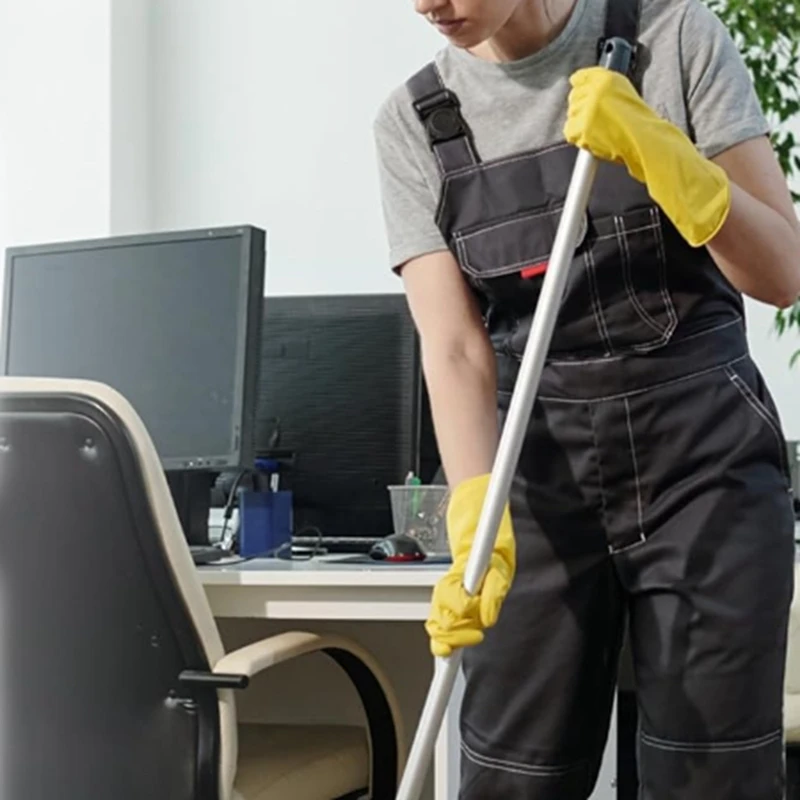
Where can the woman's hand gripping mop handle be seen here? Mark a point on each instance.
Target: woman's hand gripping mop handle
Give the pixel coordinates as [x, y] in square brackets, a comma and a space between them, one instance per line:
[617, 55]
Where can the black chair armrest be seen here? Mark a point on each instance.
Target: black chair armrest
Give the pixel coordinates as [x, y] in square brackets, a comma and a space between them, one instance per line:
[213, 680]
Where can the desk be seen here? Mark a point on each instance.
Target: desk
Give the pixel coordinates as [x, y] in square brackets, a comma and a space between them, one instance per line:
[381, 607]
[321, 589]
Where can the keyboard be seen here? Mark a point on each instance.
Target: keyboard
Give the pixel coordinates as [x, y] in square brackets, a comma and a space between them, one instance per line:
[351, 545]
[339, 545]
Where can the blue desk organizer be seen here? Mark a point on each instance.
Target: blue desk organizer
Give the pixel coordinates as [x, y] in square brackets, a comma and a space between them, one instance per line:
[265, 522]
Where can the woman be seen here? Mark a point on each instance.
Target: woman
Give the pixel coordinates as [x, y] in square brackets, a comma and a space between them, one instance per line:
[653, 489]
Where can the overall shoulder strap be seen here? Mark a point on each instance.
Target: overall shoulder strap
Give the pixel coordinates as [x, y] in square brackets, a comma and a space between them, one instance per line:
[622, 22]
[439, 111]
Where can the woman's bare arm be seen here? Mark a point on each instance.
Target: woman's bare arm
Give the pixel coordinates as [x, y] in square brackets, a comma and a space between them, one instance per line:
[458, 362]
[758, 247]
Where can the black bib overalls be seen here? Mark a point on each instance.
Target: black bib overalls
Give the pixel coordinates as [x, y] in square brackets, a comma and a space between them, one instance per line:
[653, 488]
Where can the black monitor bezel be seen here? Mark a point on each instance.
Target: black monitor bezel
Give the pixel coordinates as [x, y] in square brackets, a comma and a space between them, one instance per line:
[251, 263]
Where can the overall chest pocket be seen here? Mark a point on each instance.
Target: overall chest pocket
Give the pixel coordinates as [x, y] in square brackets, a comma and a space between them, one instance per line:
[617, 298]
[518, 246]
[628, 272]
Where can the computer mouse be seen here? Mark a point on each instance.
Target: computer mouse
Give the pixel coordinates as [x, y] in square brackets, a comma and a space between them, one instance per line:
[397, 548]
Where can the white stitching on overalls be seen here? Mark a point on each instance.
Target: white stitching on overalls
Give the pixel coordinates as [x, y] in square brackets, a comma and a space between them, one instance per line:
[507, 269]
[747, 393]
[497, 162]
[462, 252]
[582, 362]
[627, 279]
[741, 746]
[524, 217]
[754, 402]
[596, 310]
[520, 769]
[497, 272]
[618, 551]
[461, 240]
[606, 236]
[721, 327]
[644, 389]
[670, 306]
[635, 469]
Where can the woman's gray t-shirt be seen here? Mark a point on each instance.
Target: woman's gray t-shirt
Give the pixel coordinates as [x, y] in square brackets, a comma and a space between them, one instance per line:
[691, 74]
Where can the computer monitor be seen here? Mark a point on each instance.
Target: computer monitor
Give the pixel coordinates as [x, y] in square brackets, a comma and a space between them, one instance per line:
[342, 395]
[170, 320]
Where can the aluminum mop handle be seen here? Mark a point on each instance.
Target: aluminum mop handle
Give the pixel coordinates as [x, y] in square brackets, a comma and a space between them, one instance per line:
[617, 55]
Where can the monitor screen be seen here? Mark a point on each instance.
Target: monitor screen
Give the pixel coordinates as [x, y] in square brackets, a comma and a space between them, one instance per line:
[341, 391]
[167, 320]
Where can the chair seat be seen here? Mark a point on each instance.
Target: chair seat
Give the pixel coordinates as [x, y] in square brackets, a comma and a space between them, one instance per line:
[278, 762]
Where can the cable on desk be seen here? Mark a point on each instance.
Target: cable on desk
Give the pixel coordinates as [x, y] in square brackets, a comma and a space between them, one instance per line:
[285, 550]
[229, 504]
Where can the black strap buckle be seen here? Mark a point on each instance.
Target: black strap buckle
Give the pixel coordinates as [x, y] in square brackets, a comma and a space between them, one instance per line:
[601, 50]
[441, 114]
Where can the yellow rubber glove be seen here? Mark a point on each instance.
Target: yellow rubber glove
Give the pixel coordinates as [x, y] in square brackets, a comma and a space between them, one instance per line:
[608, 118]
[457, 620]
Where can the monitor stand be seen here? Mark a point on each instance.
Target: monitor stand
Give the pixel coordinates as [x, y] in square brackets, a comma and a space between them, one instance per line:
[191, 493]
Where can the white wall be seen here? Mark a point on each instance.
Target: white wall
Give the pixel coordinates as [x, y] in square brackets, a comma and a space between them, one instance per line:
[56, 99]
[263, 114]
[75, 99]
[130, 190]
[3, 159]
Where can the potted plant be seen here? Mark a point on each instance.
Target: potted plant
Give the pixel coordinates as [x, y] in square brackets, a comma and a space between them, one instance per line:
[767, 33]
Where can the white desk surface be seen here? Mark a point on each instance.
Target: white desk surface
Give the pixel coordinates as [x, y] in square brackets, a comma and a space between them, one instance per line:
[320, 572]
[320, 589]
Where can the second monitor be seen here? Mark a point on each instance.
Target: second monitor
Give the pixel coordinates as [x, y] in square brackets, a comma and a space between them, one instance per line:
[341, 390]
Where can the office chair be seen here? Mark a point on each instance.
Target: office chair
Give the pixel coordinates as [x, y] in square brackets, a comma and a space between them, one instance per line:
[113, 678]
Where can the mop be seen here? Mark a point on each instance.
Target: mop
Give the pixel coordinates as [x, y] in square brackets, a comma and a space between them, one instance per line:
[616, 55]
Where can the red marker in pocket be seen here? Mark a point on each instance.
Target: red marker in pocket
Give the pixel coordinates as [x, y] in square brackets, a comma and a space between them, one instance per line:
[535, 270]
